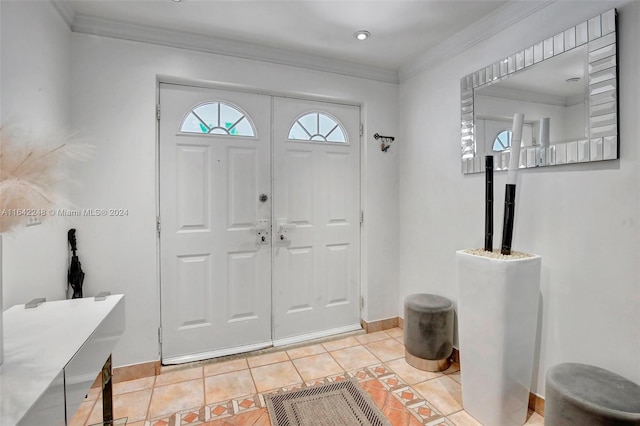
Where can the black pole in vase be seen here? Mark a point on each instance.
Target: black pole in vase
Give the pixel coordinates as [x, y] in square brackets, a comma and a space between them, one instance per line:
[488, 203]
[510, 187]
[509, 214]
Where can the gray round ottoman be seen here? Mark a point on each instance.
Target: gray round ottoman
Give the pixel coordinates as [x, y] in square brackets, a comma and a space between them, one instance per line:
[580, 394]
[428, 331]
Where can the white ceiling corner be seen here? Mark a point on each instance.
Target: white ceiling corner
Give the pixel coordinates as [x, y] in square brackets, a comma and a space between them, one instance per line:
[65, 11]
[491, 24]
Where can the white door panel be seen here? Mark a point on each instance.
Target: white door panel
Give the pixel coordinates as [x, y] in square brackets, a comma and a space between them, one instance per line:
[215, 277]
[317, 196]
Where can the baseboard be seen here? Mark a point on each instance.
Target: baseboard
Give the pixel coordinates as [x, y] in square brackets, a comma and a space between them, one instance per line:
[136, 371]
[536, 403]
[380, 325]
[131, 372]
[455, 356]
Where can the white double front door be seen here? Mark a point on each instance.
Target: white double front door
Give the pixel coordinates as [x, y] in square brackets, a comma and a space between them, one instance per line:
[259, 221]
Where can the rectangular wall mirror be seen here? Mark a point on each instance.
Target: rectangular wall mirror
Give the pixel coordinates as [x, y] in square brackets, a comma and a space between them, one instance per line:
[567, 88]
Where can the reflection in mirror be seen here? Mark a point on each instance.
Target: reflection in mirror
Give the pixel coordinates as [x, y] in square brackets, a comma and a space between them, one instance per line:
[555, 89]
[566, 87]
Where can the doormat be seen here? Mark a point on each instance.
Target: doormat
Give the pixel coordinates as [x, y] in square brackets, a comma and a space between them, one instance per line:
[334, 404]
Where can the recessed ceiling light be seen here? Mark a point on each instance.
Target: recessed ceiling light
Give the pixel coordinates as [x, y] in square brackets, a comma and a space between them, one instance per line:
[362, 35]
[176, 1]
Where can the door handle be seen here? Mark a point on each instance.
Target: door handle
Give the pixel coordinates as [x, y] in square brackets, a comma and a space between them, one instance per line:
[283, 227]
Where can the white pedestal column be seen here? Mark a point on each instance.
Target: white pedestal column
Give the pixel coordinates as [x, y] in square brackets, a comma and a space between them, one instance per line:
[497, 319]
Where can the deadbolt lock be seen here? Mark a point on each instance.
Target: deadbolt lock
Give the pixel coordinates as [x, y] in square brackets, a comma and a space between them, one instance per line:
[263, 236]
[263, 198]
[262, 231]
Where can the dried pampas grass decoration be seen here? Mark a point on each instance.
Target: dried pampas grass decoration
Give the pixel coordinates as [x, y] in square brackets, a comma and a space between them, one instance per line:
[30, 174]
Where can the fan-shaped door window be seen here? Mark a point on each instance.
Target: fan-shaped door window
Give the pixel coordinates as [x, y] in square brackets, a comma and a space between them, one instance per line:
[218, 118]
[317, 126]
[502, 141]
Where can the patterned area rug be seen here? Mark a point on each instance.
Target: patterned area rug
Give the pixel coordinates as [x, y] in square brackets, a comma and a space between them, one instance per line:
[334, 404]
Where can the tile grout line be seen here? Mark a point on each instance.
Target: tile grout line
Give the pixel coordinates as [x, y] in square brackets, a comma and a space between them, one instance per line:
[86, 421]
[349, 347]
[336, 361]
[184, 409]
[153, 391]
[296, 368]
[204, 389]
[253, 379]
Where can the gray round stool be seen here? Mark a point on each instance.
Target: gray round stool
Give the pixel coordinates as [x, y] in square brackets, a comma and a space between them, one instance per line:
[580, 394]
[428, 331]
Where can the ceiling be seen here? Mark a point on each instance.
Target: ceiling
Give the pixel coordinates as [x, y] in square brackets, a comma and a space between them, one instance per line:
[401, 30]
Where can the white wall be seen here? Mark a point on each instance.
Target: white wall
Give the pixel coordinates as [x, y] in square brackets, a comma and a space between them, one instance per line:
[113, 103]
[35, 99]
[583, 219]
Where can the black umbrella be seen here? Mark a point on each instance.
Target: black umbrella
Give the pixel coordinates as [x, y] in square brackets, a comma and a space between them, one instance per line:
[76, 275]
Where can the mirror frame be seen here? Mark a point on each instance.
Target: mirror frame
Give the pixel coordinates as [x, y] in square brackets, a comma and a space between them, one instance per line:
[602, 141]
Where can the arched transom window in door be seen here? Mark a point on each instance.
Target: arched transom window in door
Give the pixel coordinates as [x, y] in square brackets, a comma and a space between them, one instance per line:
[502, 141]
[218, 118]
[318, 126]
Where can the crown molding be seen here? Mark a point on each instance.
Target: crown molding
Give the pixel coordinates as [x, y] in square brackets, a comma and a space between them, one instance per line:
[495, 91]
[65, 11]
[493, 23]
[221, 46]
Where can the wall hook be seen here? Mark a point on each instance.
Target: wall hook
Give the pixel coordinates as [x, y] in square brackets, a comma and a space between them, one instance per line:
[386, 141]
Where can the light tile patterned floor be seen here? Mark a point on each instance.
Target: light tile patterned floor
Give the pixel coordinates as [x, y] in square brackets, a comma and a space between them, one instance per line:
[231, 392]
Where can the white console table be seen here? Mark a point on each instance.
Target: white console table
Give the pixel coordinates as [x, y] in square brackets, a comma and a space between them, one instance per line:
[53, 354]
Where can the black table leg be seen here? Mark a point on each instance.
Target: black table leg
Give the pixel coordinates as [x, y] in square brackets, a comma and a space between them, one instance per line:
[107, 393]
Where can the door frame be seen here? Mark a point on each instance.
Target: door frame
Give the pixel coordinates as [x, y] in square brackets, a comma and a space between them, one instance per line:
[217, 85]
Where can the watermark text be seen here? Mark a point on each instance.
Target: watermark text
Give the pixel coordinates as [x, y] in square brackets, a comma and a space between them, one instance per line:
[64, 212]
